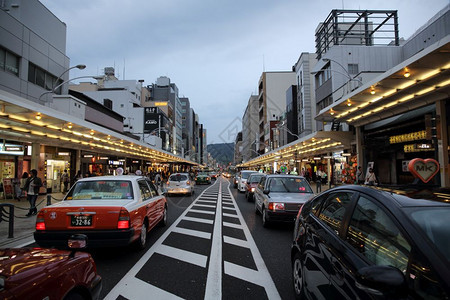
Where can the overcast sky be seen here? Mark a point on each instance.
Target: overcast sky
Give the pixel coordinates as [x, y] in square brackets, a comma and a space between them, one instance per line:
[214, 51]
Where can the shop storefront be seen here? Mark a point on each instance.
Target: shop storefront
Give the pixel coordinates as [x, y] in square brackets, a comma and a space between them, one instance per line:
[392, 146]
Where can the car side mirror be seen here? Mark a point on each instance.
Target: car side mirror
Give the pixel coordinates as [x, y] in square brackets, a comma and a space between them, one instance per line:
[385, 281]
[75, 242]
[266, 192]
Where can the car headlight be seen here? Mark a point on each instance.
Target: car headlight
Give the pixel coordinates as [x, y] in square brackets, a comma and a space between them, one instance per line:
[274, 206]
[252, 189]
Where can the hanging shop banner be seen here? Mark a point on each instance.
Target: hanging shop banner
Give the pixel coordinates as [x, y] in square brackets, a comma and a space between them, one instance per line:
[424, 169]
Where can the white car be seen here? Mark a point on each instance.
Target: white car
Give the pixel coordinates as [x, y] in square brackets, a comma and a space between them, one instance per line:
[242, 180]
[179, 183]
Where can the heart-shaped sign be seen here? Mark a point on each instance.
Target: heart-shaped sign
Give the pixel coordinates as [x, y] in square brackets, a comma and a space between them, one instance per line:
[424, 169]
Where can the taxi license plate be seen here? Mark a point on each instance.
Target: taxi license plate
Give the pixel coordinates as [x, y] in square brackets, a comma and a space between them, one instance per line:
[81, 221]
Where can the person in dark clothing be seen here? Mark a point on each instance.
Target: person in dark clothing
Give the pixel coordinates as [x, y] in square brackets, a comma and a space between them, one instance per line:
[32, 186]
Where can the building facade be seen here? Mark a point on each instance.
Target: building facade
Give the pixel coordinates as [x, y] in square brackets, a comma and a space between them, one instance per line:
[250, 129]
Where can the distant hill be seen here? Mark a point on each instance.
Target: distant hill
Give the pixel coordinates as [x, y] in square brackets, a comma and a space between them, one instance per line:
[222, 153]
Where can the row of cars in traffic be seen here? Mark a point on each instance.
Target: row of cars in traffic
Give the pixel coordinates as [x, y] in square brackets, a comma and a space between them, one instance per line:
[103, 211]
[358, 242]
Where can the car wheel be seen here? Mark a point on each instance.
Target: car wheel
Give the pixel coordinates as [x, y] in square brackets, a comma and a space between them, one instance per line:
[142, 240]
[297, 278]
[163, 221]
[265, 222]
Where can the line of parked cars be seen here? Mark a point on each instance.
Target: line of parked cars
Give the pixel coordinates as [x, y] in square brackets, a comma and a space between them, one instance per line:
[359, 242]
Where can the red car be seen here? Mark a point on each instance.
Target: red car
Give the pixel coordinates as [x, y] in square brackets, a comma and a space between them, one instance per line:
[35, 273]
[110, 210]
[251, 184]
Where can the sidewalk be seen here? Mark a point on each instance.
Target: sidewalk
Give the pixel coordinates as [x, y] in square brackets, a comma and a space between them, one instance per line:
[23, 226]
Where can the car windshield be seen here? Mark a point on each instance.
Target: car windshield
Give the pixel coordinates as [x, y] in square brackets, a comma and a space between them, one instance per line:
[104, 189]
[433, 221]
[289, 185]
[178, 177]
[255, 178]
[202, 174]
[245, 175]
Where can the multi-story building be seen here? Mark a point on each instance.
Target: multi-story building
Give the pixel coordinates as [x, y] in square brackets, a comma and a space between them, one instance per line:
[187, 127]
[250, 129]
[272, 88]
[166, 94]
[33, 56]
[306, 106]
[43, 125]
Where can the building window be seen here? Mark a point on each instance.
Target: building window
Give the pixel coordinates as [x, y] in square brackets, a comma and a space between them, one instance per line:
[353, 69]
[43, 78]
[108, 103]
[9, 62]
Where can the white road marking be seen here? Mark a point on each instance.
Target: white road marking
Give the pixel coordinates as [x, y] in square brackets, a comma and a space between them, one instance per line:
[186, 256]
[232, 225]
[205, 205]
[233, 241]
[263, 274]
[207, 201]
[198, 220]
[213, 288]
[229, 215]
[244, 273]
[202, 211]
[196, 233]
[133, 288]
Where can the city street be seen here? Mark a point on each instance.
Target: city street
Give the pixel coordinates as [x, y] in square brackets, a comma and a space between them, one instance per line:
[213, 247]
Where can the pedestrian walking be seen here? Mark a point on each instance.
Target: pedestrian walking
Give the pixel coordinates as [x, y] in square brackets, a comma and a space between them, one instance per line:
[157, 179]
[65, 179]
[371, 178]
[23, 180]
[32, 186]
[359, 176]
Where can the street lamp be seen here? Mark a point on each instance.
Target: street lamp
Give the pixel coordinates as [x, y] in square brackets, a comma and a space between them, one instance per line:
[81, 67]
[346, 71]
[61, 84]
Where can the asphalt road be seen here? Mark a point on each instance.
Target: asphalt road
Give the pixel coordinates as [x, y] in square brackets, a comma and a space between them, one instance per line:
[194, 258]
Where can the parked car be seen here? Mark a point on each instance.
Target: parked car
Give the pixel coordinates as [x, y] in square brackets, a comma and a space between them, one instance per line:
[356, 242]
[278, 197]
[179, 183]
[110, 210]
[35, 273]
[251, 184]
[243, 176]
[202, 178]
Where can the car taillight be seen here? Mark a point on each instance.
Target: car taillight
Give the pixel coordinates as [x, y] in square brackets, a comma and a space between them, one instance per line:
[168, 182]
[207, 178]
[253, 189]
[40, 224]
[273, 206]
[188, 182]
[124, 219]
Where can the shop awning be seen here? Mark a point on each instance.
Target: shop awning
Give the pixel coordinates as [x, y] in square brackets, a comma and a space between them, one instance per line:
[318, 143]
[419, 81]
[26, 121]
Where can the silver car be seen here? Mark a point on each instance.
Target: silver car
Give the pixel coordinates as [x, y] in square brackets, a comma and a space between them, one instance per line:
[179, 183]
[279, 197]
[242, 181]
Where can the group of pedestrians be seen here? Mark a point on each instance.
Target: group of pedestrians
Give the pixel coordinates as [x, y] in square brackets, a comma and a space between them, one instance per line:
[369, 179]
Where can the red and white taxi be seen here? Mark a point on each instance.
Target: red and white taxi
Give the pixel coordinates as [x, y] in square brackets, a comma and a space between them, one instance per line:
[109, 210]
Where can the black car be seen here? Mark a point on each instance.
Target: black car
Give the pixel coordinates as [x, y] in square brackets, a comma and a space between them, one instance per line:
[356, 242]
